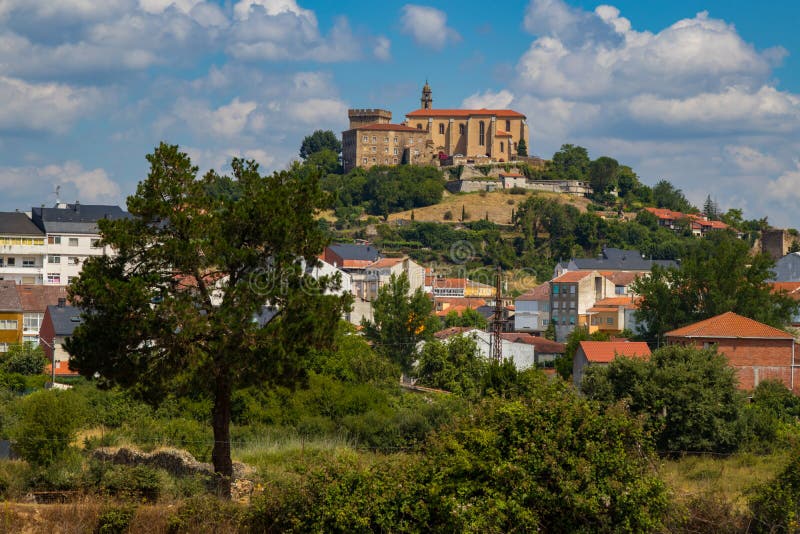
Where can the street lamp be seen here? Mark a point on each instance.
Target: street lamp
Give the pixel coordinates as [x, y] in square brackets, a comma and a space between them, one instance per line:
[53, 362]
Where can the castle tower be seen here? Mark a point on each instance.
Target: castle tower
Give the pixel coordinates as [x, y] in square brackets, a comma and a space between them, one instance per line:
[426, 102]
[362, 117]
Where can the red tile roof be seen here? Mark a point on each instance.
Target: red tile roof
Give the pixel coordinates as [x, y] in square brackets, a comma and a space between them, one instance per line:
[385, 262]
[464, 113]
[606, 351]
[622, 278]
[540, 292]
[62, 369]
[791, 288]
[612, 303]
[501, 133]
[36, 298]
[388, 128]
[572, 276]
[729, 325]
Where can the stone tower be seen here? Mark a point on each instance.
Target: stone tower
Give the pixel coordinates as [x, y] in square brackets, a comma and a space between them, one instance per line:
[426, 102]
[363, 117]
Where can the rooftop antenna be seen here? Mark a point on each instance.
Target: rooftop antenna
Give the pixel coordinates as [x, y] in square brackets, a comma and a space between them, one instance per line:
[57, 193]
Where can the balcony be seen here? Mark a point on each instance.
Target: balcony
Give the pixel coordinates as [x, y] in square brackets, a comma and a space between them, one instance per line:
[22, 250]
[22, 270]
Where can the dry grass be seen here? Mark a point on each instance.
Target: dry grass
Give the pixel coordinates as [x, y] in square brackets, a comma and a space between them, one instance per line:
[478, 205]
[725, 478]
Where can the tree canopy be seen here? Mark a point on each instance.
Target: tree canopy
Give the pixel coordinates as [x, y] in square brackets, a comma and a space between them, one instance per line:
[401, 319]
[320, 140]
[717, 274]
[181, 307]
[571, 162]
[665, 195]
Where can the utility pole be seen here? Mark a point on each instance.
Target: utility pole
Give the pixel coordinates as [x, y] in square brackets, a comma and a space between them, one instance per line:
[496, 348]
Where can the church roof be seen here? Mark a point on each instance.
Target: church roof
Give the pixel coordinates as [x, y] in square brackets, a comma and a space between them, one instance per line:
[510, 113]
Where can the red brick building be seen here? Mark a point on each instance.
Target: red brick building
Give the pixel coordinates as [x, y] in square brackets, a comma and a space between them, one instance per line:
[757, 351]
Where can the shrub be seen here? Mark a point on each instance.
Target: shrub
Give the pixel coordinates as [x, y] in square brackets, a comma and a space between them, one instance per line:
[448, 215]
[517, 190]
[131, 482]
[25, 359]
[115, 520]
[204, 514]
[775, 505]
[47, 422]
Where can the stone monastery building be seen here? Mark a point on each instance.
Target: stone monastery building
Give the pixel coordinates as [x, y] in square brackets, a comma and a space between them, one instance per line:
[428, 134]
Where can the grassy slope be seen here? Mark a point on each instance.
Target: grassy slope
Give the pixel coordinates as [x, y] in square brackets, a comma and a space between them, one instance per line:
[477, 205]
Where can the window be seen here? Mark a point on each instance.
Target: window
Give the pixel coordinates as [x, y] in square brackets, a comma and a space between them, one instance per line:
[416, 152]
[619, 290]
[53, 259]
[70, 279]
[374, 138]
[441, 128]
[53, 278]
[545, 306]
[1, 262]
[386, 161]
[386, 150]
[8, 324]
[32, 321]
[508, 125]
[482, 133]
[555, 319]
[11, 261]
[94, 242]
[395, 161]
[73, 241]
[396, 140]
[571, 319]
[609, 320]
[364, 160]
[3, 347]
[374, 149]
[365, 139]
[502, 147]
[594, 321]
[73, 260]
[555, 289]
[460, 129]
[29, 262]
[419, 126]
[395, 151]
[572, 289]
[544, 322]
[54, 240]
[374, 160]
[386, 139]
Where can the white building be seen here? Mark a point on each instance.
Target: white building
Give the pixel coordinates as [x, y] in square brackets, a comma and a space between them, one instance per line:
[71, 234]
[532, 310]
[22, 249]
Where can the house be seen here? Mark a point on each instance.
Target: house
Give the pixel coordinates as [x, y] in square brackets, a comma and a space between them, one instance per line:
[10, 316]
[571, 296]
[72, 236]
[787, 269]
[444, 305]
[58, 325]
[22, 249]
[613, 259]
[532, 309]
[676, 221]
[757, 351]
[613, 315]
[524, 350]
[603, 353]
[34, 300]
[380, 272]
[350, 257]
[623, 280]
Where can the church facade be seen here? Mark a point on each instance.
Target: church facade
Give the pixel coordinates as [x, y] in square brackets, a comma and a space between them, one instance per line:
[475, 134]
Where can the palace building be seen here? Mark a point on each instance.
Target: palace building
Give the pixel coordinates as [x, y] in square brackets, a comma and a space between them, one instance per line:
[427, 133]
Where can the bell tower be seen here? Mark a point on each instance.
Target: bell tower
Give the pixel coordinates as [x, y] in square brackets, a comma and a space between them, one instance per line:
[426, 102]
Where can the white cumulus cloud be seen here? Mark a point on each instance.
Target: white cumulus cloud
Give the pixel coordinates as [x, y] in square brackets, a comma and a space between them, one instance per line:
[427, 26]
[490, 100]
[43, 107]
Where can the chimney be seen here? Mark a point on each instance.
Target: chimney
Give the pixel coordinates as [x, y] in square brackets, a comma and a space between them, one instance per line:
[77, 206]
[62, 302]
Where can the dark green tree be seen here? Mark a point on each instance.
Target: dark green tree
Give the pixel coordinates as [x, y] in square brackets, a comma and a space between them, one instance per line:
[182, 306]
[603, 174]
[454, 365]
[570, 163]
[326, 161]
[665, 195]
[688, 397]
[320, 140]
[522, 148]
[710, 209]
[627, 181]
[468, 317]
[401, 319]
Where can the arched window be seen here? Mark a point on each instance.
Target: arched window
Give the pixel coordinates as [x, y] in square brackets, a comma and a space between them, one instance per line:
[502, 148]
[419, 126]
[441, 128]
[460, 129]
[508, 125]
[482, 133]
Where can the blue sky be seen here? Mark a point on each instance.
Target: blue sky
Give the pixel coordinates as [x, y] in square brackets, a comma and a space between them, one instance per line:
[704, 94]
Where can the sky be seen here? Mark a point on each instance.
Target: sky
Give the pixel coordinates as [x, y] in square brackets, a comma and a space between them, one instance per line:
[705, 94]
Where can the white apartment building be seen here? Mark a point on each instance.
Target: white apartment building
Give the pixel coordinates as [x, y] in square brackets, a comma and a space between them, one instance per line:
[532, 310]
[71, 234]
[22, 249]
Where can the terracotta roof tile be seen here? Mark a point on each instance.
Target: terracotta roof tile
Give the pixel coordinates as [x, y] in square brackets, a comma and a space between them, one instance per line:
[36, 298]
[501, 133]
[464, 113]
[540, 292]
[729, 325]
[606, 351]
[572, 276]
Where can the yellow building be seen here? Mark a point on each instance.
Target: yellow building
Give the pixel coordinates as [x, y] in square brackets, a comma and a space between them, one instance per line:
[10, 315]
[476, 134]
[473, 133]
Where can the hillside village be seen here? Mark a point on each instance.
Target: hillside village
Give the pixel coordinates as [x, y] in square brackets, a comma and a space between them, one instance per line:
[439, 271]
